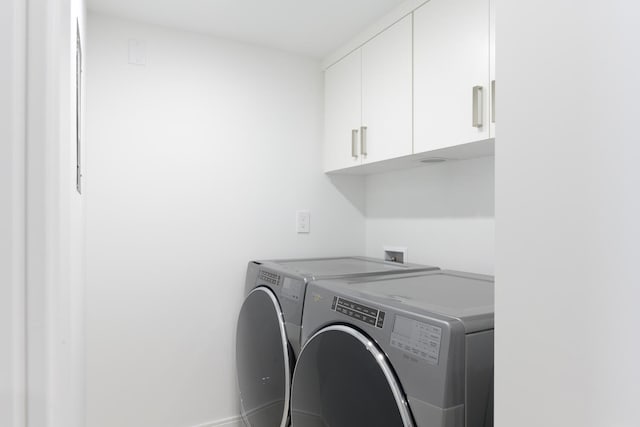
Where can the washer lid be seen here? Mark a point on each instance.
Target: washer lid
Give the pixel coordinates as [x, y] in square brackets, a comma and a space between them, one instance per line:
[342, 379]
[263, 361]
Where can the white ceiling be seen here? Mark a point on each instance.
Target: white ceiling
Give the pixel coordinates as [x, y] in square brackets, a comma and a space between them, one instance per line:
[309, 27]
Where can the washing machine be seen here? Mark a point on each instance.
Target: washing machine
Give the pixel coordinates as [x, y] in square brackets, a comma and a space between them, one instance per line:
[396, 351]
[269, 324]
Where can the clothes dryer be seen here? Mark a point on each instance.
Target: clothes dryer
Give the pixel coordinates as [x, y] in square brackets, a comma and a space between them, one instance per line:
[397, 351]
[268, 329]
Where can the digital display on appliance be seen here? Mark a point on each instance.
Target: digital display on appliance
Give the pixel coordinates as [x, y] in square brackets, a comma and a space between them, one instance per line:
[417, 338]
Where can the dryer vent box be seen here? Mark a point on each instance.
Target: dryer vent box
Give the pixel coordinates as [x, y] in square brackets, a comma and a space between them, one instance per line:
[395, 254]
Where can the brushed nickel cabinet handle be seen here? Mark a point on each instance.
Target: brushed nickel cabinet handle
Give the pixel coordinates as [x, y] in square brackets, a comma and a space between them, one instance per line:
[363, 140]
[493, 101]
[354, 143]
[477, 107]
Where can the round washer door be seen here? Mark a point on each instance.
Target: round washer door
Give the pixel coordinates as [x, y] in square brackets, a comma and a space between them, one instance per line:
[263, 361]
[342, 379]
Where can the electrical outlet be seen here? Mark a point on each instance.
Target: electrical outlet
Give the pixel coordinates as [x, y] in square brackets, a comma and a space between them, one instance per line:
[303, 221]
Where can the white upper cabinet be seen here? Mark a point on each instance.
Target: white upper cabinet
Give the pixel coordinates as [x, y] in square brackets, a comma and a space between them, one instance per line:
[368, 101]
[387, 94]
[451, 73]
[343, 113]
[425, 84]
[492, 67]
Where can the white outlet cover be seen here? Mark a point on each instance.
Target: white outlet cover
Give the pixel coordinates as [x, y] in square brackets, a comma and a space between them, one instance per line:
[303, 221]
[137, 52]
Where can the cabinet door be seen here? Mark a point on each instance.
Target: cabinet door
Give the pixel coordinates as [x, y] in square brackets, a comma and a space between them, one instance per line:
[451, 57]
[343, 98]
[492, 68]
[387, 93]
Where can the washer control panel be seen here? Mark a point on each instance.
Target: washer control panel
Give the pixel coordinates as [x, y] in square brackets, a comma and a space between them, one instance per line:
[358, 311]
[417, 338]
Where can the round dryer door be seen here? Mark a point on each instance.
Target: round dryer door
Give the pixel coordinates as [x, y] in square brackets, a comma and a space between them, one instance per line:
[263, 361]
[342, 379]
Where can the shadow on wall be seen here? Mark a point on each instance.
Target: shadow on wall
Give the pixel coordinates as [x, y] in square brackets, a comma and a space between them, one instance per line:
[353, 188]
[454, 189]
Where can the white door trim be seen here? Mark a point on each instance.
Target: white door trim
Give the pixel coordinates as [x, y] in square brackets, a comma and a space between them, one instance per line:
[12, 214]
[51, 387]
[41, 209]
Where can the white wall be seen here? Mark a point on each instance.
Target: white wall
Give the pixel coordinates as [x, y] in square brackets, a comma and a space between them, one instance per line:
[567, 211]
[12, 214]
[196, 164]
[442, 213]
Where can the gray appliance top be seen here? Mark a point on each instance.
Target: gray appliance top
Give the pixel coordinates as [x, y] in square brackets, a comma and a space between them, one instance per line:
[464, 296]
[324, 268]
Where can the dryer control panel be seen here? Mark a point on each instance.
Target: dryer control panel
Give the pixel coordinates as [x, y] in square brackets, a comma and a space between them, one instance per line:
[285, 287]
[358, 311]
[269, 277]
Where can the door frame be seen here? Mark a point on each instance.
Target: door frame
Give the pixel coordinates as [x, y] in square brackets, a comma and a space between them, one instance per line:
[40, 342]
[13, 39]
